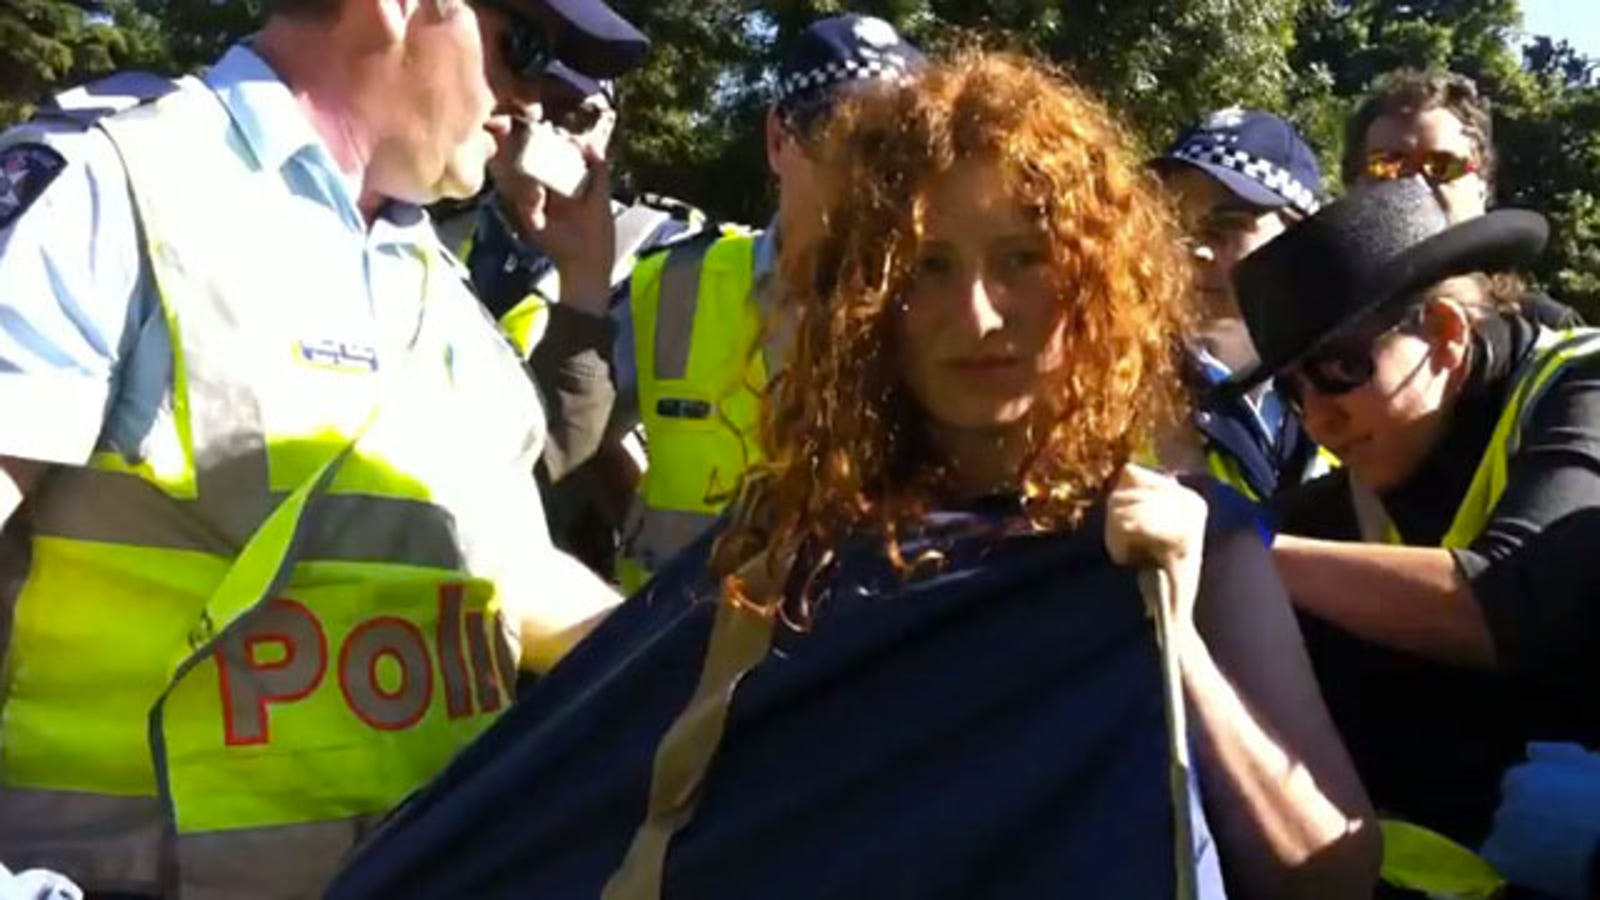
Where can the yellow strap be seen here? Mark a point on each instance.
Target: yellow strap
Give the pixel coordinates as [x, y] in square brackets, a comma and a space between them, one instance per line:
[740, 639]
[262, 566]
[1156, 587]
[1421, 860]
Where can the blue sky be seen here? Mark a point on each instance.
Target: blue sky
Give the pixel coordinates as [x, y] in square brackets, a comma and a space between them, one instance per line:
[1576, 21]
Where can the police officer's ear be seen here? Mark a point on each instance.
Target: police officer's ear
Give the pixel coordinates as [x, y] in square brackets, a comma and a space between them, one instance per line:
[779, 140]
[1447, 321]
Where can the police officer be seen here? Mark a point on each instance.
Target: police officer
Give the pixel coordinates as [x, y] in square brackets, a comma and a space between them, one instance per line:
[1436, 124]
[286, 545]
[1240, 178]
[520, 269]
[1466, 430]
[707, 326]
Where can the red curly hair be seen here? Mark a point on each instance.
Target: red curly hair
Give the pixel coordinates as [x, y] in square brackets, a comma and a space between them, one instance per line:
[842, 438]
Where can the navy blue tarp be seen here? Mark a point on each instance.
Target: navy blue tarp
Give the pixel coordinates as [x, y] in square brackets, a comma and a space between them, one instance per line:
[995, 729]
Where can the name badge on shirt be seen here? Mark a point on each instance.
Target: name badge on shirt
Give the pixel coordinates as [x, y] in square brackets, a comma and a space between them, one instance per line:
[676, 408]
[338, 356]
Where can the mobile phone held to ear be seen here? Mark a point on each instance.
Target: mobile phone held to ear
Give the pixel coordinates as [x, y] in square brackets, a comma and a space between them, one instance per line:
[552, 159]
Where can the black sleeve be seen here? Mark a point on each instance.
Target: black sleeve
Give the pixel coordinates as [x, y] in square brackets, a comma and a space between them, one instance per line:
[1551, 313]
[1533, 568]
[572, 365]
[1317, 509]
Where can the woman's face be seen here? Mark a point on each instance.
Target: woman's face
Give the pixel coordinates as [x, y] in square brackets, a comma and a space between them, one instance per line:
[981, 323]
[1384, 429]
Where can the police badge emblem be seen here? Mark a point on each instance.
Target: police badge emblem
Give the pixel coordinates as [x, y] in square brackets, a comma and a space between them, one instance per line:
[25, 171]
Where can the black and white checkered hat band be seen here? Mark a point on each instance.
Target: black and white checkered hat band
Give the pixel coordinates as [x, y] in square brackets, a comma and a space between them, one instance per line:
[884, 69]
[1266, 173]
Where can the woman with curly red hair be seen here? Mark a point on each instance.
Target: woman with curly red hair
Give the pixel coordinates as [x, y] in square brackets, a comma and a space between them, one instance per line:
[907, 667]
[992, 311]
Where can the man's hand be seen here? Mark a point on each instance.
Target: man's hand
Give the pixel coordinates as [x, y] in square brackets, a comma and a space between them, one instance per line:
[577, 233]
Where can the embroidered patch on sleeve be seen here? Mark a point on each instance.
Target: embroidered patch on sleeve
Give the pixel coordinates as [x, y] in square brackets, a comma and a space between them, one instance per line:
[25, 171]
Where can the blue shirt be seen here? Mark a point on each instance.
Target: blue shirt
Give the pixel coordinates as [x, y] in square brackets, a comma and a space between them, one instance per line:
[1267, 410]
[85, 354]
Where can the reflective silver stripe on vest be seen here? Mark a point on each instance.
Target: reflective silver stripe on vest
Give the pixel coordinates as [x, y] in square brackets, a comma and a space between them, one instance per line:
[231, 467]
[109, 843]
[247, 689]
[660, 534]
[104, 843]
[634, 225]
[358, 673]
[284, 861]
[1581, 346]
[675, 309]
[118, 508]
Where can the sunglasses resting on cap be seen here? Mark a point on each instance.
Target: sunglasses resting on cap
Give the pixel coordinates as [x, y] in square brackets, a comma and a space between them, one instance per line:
[1435, 166]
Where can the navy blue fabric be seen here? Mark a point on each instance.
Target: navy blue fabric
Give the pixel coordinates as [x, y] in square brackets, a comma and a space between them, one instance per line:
[993, 729]
[840, 50]
[581, 83]
[596, 40]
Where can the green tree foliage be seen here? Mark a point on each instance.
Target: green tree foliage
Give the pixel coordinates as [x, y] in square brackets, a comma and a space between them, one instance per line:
[49, 44]
[693, 118]
[1546, 101]
[1162, 61]
[685, 112]
[198, 31]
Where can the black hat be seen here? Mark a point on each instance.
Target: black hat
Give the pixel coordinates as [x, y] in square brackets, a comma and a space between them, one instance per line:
[1372, 250]
[842, 49]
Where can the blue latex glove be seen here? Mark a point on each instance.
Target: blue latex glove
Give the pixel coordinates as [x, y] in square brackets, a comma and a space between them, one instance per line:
[36, 884]
[1548, 826]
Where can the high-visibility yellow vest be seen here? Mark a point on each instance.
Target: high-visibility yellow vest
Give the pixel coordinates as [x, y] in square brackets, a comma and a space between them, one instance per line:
[634, 225]
[524, 324]
[698, 327]
[1414, 857]
[1226, 469]
[1554, 353]
[235, 651]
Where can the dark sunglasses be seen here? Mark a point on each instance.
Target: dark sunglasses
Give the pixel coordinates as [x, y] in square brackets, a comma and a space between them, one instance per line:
[527, 50]
[1345, 364]
[1437, 166]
